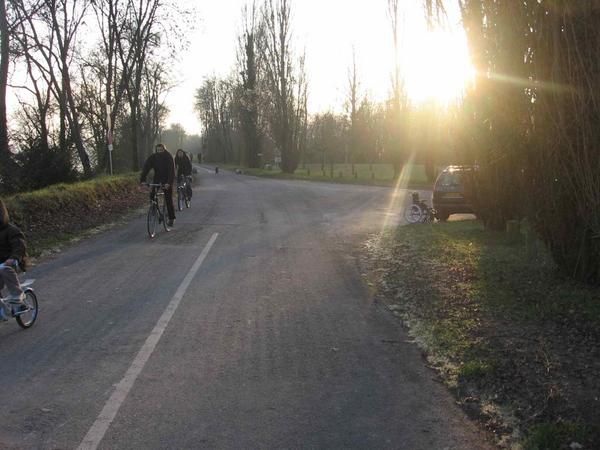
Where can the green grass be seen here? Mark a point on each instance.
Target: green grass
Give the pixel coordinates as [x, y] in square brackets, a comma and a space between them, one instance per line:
[474, 369]
[65, 194]
[59, 213]
[553, 436]
[367, 174]
[500, 275]
[499, 322]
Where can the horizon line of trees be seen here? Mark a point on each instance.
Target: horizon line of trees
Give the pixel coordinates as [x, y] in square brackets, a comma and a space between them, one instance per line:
[259, 115]
[263, 106]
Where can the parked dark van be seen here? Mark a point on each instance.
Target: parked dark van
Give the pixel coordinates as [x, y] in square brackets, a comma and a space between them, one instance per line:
[450, 191]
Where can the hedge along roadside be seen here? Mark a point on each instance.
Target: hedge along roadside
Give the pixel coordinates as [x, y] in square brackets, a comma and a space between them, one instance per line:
[58, 213]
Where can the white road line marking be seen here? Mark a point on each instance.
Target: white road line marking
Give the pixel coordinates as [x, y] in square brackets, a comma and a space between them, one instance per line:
[98, 430]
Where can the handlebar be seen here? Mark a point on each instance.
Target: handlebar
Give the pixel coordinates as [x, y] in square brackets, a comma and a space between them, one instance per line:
[14, 266]
[158, 185]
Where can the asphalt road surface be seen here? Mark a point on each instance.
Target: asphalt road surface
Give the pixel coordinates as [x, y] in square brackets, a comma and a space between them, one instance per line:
[247, 326]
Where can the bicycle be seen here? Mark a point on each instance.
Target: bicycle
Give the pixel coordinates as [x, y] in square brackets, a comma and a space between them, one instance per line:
[183, 188]
[419, 211]
[157, 212]
[24, 313]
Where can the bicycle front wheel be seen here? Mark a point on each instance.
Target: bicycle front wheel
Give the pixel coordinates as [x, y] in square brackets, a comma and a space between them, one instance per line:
[152, 220]
[413, 213]
[26, 318]
[180, 199]
[188, 200]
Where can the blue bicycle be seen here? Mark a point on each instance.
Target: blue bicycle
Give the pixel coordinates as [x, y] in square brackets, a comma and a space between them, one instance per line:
[24, 312]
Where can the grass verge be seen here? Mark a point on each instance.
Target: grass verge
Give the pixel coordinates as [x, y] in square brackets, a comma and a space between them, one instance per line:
[60, 213]
[517, 343]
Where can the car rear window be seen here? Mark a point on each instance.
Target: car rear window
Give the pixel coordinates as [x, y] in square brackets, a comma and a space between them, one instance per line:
[449, 179]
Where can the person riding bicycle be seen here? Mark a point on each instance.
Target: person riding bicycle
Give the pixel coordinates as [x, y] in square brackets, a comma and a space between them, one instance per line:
[164, 173]
[13, 256]
[183, 165]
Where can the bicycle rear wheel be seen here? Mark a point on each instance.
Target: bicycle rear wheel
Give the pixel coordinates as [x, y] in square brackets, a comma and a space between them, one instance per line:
[180, 198]
[413, 213]
[152, 220]
[27, 318]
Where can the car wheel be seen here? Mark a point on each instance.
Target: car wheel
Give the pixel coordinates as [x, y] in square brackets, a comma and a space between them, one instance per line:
[442, 216]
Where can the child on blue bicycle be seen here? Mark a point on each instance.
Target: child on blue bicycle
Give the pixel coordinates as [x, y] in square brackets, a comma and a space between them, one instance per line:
[13, 254]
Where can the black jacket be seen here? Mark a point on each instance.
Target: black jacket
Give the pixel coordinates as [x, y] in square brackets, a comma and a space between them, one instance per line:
[163, 165]
[12, 243]
[183, 165]
[12, 240]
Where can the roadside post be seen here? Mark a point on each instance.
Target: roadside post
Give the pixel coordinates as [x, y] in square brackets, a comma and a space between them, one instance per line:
[109, 139]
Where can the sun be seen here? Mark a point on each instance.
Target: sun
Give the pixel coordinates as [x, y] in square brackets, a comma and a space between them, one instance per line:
[437, 67]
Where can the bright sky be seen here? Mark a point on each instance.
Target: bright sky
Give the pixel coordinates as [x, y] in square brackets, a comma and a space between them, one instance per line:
[328, 30]
[435, 64]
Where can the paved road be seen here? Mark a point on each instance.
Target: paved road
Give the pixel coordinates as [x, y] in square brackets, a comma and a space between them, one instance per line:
[247, 326]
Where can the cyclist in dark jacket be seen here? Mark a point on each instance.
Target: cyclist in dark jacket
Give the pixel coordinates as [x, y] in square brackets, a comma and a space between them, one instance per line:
[164, 172]
[183, 165]
[13, 254]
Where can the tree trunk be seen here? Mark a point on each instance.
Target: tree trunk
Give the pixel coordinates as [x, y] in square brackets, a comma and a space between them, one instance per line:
[4, 60]
[74, 124]
[134, 137]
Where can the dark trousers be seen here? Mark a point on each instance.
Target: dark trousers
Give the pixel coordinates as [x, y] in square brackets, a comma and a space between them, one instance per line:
[168, 201]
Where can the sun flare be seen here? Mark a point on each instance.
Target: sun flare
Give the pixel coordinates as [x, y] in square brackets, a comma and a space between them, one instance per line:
[437, 67]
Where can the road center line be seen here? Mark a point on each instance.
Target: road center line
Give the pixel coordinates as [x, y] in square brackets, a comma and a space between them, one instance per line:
[98, 430]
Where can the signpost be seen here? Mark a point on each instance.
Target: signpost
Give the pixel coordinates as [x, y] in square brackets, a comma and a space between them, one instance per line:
[109, 139]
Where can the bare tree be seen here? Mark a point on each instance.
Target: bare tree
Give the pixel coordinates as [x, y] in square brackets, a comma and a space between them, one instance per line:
[38, 115]
[111, 17]
[9, 23]
[285, 83]
[394, 16]
[215, 106]
[154, 111]
[326, 138]
[53, 30]
[352, 103]
[135, 43]
[4, 61]
[398, 104]
[248, 55]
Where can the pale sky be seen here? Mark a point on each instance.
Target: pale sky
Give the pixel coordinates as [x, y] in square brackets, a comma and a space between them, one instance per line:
[327, 29]
[436, 65]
